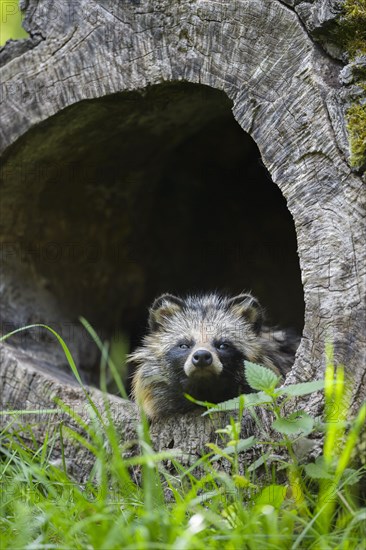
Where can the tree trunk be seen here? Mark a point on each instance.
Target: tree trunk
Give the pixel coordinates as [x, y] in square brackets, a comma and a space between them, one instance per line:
[79, 94]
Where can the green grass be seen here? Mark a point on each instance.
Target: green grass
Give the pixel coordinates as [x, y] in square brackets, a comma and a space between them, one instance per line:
[10, 21]
[301, 504]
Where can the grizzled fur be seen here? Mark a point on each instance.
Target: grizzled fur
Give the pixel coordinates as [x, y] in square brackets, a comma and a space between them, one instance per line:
[198, 345]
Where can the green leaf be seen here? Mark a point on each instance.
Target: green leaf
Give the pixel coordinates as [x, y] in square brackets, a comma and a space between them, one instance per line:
[351, 476]
[220, 453]
[297, 422]
[249, 400]
[360, 515]
[260, 378]
[243, 445]
[255, 399]
[242, 482]
[273, 495]
[259, 462]
[318, 470]
[302, 389]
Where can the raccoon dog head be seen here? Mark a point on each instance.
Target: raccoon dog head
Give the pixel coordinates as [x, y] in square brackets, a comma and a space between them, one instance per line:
[205, 336]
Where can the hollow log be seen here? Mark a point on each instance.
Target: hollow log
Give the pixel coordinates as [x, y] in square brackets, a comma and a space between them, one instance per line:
[101, 106]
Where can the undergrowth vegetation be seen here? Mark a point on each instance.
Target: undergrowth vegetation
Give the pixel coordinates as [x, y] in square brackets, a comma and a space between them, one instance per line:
[280, 500]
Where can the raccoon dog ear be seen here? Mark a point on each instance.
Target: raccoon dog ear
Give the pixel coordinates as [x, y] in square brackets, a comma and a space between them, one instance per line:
[247, 306]
[164, 307]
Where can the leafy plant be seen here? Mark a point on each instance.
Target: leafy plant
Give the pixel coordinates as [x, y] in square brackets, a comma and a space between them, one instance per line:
[321, 490]
[42, 506]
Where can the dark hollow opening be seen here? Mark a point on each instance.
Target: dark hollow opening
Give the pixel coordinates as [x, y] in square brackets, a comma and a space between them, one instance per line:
[113, 201]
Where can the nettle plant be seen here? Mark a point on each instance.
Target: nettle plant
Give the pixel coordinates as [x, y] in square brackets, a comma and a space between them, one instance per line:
[319, 488]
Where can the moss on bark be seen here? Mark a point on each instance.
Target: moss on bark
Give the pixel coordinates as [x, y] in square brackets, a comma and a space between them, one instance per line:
[353, 23]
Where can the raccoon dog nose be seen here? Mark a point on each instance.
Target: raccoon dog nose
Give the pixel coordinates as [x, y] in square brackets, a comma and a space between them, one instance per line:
[202, 358]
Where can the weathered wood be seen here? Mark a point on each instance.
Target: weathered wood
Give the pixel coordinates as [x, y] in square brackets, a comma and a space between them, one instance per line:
[32, 383]
[29, 383]
[286, 94]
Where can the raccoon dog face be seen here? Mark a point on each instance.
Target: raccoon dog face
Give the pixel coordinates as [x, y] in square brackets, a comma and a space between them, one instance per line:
[203, 337]
[197, 346]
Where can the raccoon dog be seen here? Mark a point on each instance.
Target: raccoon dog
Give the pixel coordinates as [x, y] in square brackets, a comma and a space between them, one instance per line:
[197, 345]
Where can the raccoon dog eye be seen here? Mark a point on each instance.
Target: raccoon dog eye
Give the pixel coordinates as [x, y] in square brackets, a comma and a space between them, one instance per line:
[223, 346]
[184, 346]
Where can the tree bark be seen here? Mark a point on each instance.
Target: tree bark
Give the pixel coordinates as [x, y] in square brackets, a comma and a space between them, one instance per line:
[286, 92]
